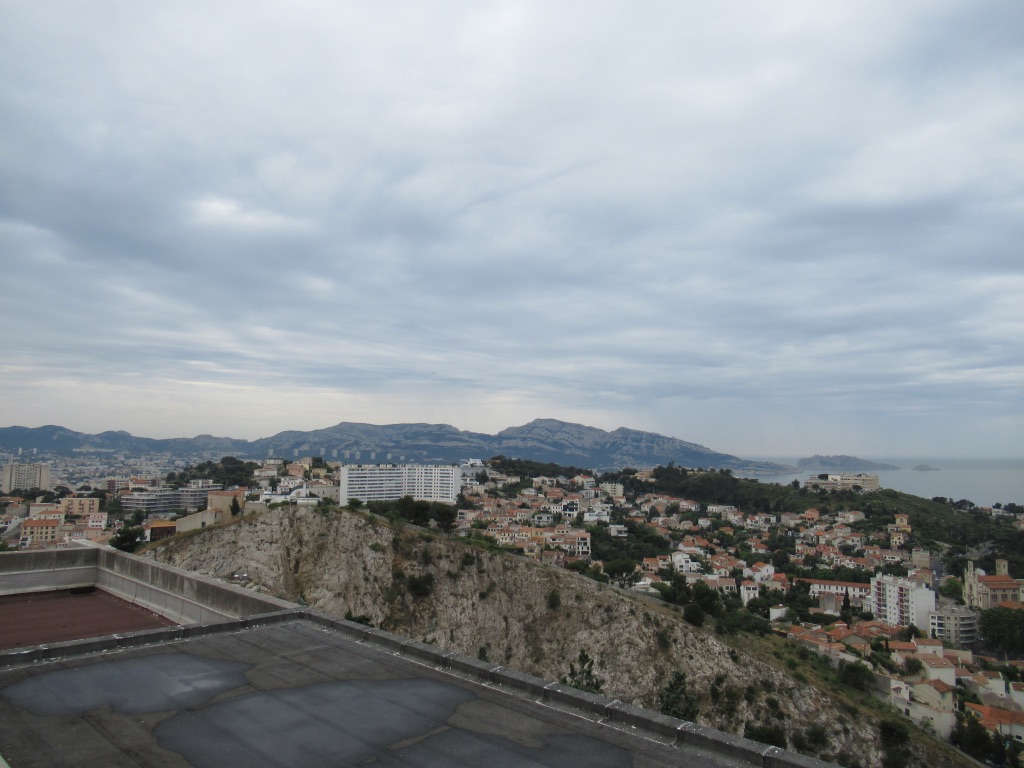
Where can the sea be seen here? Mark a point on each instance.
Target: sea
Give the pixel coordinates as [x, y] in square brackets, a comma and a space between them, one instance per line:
[982, 481]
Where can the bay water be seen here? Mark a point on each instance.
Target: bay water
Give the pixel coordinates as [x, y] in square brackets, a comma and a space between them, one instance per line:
[983, 481]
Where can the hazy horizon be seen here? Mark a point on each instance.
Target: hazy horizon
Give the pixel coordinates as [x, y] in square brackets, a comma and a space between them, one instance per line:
[789, 459]
[756, 227]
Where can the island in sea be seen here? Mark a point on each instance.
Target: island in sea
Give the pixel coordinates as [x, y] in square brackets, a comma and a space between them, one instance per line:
[841, 464]
[924, 468]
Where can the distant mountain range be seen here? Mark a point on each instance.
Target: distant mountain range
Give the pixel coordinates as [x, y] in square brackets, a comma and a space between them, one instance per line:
[546, 440]
[842, 464]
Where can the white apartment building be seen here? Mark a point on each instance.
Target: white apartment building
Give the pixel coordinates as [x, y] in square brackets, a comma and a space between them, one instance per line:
[24, 476]
[842, 482]
[387, 482]
[899, 602]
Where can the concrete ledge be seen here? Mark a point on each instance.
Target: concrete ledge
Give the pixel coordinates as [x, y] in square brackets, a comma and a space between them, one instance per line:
[573, 697]
[273, 617]
[780, 758]
[147, 636]
[75, 647]
[520, 681]
[353, 629]
[467, 665]
[698, 736]
[24, 655]
[386, 640]
[655, 722]
[424, 652]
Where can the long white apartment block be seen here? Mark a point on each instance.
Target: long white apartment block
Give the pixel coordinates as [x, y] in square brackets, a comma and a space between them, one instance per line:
[24, 477]
[899, 602]
[387, 482]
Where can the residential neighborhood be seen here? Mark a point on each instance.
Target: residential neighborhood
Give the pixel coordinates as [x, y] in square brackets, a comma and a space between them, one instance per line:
[860, 590]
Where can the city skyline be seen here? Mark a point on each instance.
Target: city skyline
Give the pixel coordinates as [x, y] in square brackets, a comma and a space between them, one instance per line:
[772, 230]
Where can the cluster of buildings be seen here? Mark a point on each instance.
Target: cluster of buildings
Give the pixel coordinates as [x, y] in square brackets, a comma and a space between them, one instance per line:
[168, 509]
[73, 518]
[929, 669]
[842, 482]
[720, 545]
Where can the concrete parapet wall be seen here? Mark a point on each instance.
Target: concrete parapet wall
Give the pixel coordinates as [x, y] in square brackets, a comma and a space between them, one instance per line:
[47, 570]
[181, 596]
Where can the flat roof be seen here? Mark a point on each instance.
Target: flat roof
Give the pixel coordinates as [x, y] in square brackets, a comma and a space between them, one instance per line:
[49, 617]
[303, 692]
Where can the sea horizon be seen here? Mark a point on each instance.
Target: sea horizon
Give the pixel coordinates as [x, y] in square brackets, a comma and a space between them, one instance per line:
[985, 482]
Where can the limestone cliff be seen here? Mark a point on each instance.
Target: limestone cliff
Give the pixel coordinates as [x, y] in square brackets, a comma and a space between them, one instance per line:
[521, 614]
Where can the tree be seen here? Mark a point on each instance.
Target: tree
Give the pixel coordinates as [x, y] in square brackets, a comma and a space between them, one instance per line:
[952, 587]
[913, 666]
[694, 614]
[707, 598]
[127, 539]
[1003, 630]
[623, 572]
[447, 518]
[675, 700]
[971, 737]
[583, 677]
[236, 508]
[856, 675]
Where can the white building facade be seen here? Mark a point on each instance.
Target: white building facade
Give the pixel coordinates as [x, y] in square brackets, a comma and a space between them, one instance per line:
[388, 482]
[899, 602]
[24, 477]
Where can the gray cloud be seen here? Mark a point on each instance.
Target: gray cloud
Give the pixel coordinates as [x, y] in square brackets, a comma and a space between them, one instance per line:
[762, 228]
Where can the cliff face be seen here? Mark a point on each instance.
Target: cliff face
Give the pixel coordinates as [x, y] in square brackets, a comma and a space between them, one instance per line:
[520, 614]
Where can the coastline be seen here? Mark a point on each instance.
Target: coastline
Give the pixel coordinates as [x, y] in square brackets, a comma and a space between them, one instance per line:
[982, 481]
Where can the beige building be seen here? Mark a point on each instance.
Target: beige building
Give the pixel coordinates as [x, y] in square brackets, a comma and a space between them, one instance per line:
[956, 624]
[79, 506]
[200, 520]
[221, 500]
[40, 531]
[984, 591]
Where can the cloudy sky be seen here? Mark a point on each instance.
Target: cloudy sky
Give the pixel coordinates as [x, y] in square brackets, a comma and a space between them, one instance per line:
[774, 228]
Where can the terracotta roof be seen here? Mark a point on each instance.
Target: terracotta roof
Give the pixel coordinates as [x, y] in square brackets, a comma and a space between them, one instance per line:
[938, 662]
[992, 717]
[939, 685]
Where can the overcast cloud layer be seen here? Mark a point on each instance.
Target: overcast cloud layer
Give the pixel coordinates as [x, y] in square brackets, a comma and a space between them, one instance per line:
[771, 228]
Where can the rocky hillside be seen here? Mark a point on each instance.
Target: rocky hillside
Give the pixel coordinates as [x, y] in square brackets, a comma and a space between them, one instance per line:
[517, 613]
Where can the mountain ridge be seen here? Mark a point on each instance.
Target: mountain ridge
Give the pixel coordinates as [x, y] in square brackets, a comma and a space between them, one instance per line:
[548, 440]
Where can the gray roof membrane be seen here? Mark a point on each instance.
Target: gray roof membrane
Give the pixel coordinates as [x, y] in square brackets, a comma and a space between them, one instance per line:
[297, 692]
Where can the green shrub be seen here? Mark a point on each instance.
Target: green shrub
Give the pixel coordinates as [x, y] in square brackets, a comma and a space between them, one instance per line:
[773, 734]
[421, 586]
[675, 701]
[694, 614]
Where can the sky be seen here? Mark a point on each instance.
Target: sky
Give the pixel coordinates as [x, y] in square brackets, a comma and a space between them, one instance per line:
[772, 228]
